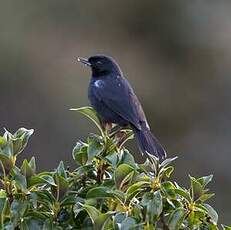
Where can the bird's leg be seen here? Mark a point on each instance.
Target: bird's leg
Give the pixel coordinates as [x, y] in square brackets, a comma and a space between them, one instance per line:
[115, 130]
[122, 136]
[107, 126]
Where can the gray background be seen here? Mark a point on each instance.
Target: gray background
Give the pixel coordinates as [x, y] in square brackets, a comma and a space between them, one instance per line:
[176, 54]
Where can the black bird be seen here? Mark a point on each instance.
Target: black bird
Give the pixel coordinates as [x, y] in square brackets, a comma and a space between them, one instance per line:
[113, 98]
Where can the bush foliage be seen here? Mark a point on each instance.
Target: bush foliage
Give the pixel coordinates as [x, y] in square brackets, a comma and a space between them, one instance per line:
[107, 190]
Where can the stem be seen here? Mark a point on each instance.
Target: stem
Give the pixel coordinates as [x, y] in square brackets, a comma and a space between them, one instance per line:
[101, 171]
[57, 194]
[99, 175]
[3, 169]
[7, 184]
[162, 220]
[115, 130]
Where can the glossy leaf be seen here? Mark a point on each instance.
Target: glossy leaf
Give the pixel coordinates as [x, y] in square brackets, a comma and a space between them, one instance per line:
[20, 180]
[102, 219]
[136, 188]
[205, 180]
[27, 170]
[206, 196]
[6, 164]
[94, 148]
[61, 170]
[153, 203]
[211, 213]
[183, 193]
[196, 188]
[176, 219]
[225, 227]
[127, 195]
[167, 161]
[123, 171]
[92, 212]
[79, 153]
[99, 192]
[127, 158]
[123, 222]
[90, 113]
[20, 140]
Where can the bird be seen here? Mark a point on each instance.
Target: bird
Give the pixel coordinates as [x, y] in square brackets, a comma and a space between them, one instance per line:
[114, 101]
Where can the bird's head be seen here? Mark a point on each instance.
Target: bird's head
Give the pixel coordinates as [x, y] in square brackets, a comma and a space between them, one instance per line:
[101, 65]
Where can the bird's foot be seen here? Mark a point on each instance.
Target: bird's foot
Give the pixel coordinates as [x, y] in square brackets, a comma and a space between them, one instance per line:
[114, 130]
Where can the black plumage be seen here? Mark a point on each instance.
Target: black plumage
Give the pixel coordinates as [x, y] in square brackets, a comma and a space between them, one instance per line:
[114, 100]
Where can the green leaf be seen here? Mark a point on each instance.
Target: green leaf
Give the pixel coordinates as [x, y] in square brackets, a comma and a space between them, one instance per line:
[92, 212]
[18, 208]
[206, 196]
[90, 113]
[32, 164]
[124, 199]
[44, 197]
[7, 149]
[196, 188]
[6, 163]
[127, 224]
[136, 188]
[61, 188]
[31, 223]
[127, 158]
[146, 166]
[35, 180]
[94, 148]
[155, 164]
[20, 139]
[112, 159]
[49, 224]
[3, 208]
[47, 178]
[155, 207]
[20, 180]
[123, 171]
[26, 169]
[153, 203]
[127, 179]
[102, 219]
[129, 135]
[169, 189]
[41, 179]
[205, 180]
[194, 219]
[3, 141]
[211, 213]
[183, 193]
[167, 161]
[61, 170]
[99, 192]
[176, 219]
[225, 227]
[79, 153]
[69, 199]
[168, 171]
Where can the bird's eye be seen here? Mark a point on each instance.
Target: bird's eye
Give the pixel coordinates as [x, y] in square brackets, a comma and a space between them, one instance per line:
[98, 62]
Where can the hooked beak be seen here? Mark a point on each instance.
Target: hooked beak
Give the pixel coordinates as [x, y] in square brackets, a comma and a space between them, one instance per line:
[84, 61]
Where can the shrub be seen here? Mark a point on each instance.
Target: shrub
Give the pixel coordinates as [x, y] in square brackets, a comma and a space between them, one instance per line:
[107, 190]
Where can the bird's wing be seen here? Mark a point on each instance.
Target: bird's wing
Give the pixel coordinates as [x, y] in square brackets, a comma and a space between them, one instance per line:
[119, 97]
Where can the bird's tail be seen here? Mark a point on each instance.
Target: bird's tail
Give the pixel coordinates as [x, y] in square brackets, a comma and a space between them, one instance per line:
[148, 143]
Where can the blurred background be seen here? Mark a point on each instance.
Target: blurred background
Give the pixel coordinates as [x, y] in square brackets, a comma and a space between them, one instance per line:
[176, 54]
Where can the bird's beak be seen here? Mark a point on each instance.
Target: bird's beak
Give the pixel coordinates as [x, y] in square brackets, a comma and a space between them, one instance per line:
[84, 61]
